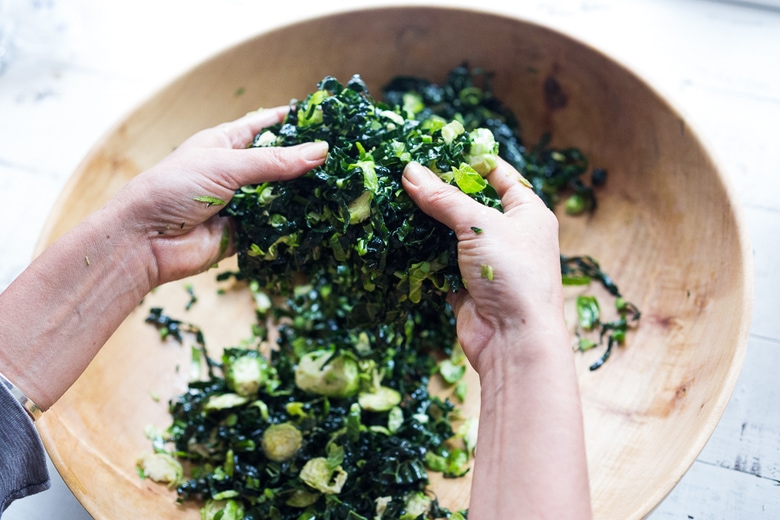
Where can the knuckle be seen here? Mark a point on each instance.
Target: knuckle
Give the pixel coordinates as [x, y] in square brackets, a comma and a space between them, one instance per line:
[277, 159]
[441, 197]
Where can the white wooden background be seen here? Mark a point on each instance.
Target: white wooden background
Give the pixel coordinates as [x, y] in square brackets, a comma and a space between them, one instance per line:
[69, 70]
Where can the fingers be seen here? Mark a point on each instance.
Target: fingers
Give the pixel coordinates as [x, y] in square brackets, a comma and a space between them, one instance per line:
[221, 153]
[186, 254]
[442, 201]
[238, 133]
[256, 165]
[218, 172]
[455, 209]
[513, 189]
[242, 131]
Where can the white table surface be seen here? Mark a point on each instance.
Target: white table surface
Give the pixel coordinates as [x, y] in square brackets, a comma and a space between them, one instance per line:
[71, 69]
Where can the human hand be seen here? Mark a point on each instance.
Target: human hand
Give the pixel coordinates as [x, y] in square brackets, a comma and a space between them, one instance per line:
[159, 227]
[531, 460]
[173, 207]
[521, 248]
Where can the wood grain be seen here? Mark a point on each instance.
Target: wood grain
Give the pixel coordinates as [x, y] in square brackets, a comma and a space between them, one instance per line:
[667, 229]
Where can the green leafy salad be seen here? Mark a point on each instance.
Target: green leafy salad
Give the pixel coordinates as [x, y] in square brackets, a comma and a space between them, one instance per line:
[336, 420]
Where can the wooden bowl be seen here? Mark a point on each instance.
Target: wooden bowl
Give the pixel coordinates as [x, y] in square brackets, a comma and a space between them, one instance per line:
[667, 229]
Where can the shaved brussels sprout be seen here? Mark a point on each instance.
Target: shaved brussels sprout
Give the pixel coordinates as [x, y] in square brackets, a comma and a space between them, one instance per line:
[325, 373]
[416, 504]
[300, 498]
[318, 474]
[483, 151]
[381, 399]
[222, 510]
[245, 372]
[281, 441]
[223, 401]
[161, 467]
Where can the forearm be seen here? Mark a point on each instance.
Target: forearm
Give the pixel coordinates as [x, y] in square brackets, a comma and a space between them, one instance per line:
[530, 460]
[57, 314]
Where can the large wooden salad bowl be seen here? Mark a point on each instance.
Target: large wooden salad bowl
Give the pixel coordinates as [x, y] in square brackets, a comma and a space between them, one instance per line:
[667, 229]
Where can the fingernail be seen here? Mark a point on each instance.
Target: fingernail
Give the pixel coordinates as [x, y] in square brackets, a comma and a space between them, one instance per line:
[416, 173]
[314, 151]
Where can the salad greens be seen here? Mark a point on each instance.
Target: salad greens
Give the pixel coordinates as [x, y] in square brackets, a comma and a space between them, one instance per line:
[290, 451]
[336, 420]
[350, 220]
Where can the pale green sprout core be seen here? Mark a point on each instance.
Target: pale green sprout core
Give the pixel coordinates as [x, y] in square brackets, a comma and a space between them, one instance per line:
[246, 374]
[413, 103]
[161, 467]
[267, 138]
[318, 474]
[360, 208]
[281, 442]
[483, 153]
[223, 401]
[222, 510]
[322, 373]
[301, 498]
[452, 130]
[416, 504]
[379, 399]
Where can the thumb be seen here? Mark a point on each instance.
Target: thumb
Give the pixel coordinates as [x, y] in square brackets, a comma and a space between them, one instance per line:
[444, 202]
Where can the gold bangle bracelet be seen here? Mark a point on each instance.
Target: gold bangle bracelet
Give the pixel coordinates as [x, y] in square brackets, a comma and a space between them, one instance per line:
[32, 409]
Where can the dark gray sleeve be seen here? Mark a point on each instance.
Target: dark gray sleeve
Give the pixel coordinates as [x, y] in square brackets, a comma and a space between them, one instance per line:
[23, 468]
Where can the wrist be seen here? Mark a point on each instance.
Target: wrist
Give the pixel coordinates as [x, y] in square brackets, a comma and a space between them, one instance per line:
[126, 239]
[117, 250]
[530, 417]
[73, 296]
[529, 341]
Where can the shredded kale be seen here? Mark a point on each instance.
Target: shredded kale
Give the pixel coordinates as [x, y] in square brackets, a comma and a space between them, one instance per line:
[350, 220]
[467, 95]
[337, 422]
[581, 270]
[385, 453]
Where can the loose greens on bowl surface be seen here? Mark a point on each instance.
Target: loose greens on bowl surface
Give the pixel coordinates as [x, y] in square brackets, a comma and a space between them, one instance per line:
[349, 277]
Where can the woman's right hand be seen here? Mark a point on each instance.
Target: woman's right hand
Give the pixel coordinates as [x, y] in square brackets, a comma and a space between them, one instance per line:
[510, 261]
[531, 460]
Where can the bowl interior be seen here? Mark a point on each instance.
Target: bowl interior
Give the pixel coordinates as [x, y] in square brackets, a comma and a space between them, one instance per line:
[666, 228]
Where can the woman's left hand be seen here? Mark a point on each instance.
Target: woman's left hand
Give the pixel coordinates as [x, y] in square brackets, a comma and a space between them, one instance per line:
[174, 205]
